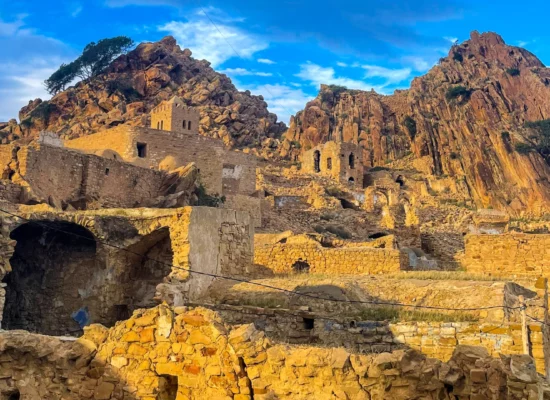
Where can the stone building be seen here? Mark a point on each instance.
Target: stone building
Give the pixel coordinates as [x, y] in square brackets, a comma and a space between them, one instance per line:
[167, 145]
[175, 116]
[339, 161]
[61, 271]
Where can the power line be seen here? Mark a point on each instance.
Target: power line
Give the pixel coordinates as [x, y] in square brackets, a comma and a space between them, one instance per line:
[241, 280]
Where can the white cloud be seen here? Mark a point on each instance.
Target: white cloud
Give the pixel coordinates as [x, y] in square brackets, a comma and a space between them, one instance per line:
[451, 39]
[418, 63]
[216, 44]
[266, 61]
[317, 75]
[281, 99]
[11, 28]
[389, 75]
[16, 89]
[77, 9]
[522, 43]
[243, 72]
[341, 64]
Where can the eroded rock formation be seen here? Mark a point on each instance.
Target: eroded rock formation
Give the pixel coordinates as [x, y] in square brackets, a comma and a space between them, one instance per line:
[139, 81]
[462, 119]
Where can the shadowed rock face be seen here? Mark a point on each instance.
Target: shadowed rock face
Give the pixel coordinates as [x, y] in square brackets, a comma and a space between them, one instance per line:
[462, 136]
[140, 80]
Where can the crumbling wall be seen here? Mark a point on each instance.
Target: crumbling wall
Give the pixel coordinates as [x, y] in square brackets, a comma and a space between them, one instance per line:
[342, 162]
[10, 191]
[310, 256]
[508, 254]
[85, 180]
[433, 339]
[252, 205]
[134, 259]
[163, 353]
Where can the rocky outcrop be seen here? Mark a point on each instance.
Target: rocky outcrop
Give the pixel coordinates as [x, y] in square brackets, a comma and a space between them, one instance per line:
[139, 81]
[165, 353]
[462, 119]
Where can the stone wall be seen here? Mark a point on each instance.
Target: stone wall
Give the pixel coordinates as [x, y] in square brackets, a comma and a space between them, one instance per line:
[175, 116]
[163, 353]
[182, 148]
[446, 247]
[333, 160]
[10, 191]
[252, 205]
[311, 256]
[508, 254]
[85, 180]
[433, 339]
[54, 277]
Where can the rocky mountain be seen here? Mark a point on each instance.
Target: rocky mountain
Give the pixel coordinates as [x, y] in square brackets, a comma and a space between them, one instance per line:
[137, 82]
[478, 117]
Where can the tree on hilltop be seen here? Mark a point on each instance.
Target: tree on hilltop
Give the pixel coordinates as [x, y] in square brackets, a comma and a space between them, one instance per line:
[95, 58]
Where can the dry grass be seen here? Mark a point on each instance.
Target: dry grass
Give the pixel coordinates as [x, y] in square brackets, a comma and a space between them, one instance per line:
[393, 314]
[446, 276]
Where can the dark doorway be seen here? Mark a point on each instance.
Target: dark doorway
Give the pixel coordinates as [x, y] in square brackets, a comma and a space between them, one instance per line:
[52, 260]
[400, 180]
[168, 387]
[317, 161]
[142, 150]
[301, 267]
[352, 161]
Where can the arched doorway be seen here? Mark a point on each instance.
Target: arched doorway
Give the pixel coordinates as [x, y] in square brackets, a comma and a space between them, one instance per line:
[51, 261]
[317, 161]
[62, 278]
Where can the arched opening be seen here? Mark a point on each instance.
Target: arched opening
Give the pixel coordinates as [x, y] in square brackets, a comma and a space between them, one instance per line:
[351, 179]
[329, 163]
[317, 161]
[352, 161]
[184, 124]
[301, 267]
[189, 125]
[62, 279]
[161, 125]
[401, 180]
[51, 261]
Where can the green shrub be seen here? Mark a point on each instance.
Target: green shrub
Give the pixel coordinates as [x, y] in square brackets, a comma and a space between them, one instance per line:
[457, 56]
[523, 148]
[513, 71]
[378, 168]
[296, 144]
[458, 91]
[334, 191]
[454, 155]
[42, 111]
[410, 124]
[505, 136]
[205, 199]
[540, 137]
[337, 89]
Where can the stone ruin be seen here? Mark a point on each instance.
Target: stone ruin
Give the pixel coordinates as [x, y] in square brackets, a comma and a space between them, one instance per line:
[116, 284]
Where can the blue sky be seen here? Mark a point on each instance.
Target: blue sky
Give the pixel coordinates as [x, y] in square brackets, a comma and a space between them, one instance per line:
[281, 49]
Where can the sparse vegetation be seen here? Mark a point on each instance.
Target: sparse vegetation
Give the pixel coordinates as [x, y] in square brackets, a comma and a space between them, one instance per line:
[392, 314]
[410, 124]
[459, 91]
[523, 148]
[454, 155]
[205, 199]
[513, 71]
[95, 58]
[334, 191]
[337, 89]
[123, 87]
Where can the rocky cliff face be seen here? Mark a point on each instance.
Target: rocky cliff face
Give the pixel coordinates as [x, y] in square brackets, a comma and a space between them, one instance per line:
[137, 82]
[463, 119]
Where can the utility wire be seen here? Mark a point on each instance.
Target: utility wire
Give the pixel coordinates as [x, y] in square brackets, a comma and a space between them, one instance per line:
[241, 280]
